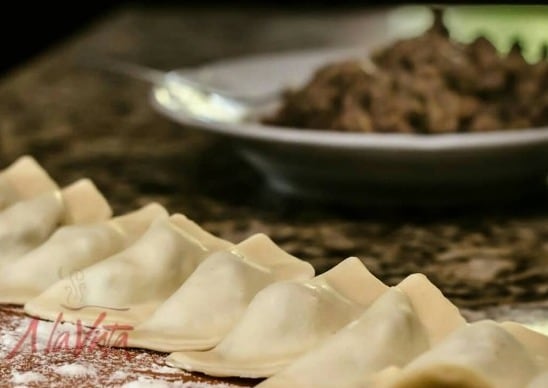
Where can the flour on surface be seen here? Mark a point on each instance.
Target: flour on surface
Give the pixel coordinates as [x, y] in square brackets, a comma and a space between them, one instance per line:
[144, 382]
[65, 365]
[75, 370]
[27, 377]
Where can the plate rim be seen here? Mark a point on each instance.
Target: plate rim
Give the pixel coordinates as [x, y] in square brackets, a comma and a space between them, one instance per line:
[508, 138]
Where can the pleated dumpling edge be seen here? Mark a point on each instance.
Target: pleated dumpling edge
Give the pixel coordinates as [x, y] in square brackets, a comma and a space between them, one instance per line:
[437, 313]
[480, 354]
[27, 224]
[84, 203]
[71, 248]
[285, 320]
[208, 304]
[388, 333]
[23, 179]
[150, 270]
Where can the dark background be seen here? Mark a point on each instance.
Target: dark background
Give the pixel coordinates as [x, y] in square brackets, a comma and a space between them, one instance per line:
[28, 28]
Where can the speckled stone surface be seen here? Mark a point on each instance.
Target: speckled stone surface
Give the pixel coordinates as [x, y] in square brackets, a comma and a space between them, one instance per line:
[83, 122]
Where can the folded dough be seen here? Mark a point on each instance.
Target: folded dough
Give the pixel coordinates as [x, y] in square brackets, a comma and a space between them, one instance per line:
[540, 381]
[285, 320]
[401, 324]
[130, 285]
[482, 354]
[214, 297]
[388, 333]
[24, 179]
[435, 311]
[71, 249]
[27, 224]
[380, 379]
[536, 343]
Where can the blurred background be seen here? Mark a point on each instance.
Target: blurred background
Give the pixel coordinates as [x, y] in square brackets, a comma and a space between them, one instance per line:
[28, 28]
[83, 122]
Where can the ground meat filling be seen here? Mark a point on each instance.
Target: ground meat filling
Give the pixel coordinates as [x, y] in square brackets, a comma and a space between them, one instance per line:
[428, 84]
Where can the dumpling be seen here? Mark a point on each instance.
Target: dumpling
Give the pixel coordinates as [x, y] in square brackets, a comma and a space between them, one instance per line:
[536, 343]
[27, 224]
[380, 379]
[400, 325]
[388, 333]
[540, 381]
[285, 320]
[482, 354]
[131, 284]
[22, 180]
[435, 311]
[71, 249]
[200, 313]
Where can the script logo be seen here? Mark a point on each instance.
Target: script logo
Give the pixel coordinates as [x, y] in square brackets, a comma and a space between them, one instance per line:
[80, 340]
[75, 289]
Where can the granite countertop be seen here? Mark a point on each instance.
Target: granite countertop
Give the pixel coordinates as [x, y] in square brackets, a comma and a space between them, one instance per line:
[78, 122]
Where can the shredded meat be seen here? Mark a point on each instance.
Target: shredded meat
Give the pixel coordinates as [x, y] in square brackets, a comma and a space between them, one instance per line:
[428, 84]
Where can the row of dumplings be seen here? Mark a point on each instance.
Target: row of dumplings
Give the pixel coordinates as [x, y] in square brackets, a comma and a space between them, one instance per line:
[249, 309]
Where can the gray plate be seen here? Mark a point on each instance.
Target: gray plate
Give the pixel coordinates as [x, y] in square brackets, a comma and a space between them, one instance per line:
[358, 168]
